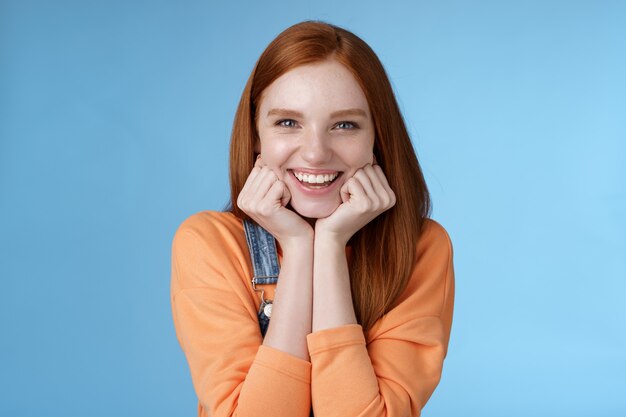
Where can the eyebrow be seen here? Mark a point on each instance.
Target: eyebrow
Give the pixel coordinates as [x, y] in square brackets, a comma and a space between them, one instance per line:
[338, 113]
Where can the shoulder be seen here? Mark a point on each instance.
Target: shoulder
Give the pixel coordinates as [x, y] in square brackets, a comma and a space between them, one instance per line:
[210, 223]
[432, 275]
[210, 228]
[214, 229]
[434, 241]
[208, 243]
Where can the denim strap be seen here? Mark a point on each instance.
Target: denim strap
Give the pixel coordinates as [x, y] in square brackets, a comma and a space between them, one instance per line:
[262, 247]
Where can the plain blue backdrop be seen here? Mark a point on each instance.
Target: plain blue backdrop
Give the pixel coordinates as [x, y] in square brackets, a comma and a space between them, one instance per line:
[114, 127]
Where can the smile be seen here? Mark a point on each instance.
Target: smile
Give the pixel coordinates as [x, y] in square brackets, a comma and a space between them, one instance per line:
[314, 180]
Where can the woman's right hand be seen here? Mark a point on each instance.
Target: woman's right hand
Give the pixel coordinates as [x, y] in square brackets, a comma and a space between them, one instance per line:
[264, 197]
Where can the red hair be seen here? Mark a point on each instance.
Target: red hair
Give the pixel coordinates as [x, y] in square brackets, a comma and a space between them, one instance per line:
[384, 251]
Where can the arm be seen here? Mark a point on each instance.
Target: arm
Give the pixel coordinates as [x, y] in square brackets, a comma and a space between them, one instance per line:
[264, 197]
[293, 299]
[331, 282]
[395, 370]
[364, 196]
[215, 320]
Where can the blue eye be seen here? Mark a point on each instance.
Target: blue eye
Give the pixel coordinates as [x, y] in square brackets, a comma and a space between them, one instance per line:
[284, 123]
[347, 125]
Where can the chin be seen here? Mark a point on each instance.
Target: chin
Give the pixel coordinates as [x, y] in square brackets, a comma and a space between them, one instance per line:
[315, 209]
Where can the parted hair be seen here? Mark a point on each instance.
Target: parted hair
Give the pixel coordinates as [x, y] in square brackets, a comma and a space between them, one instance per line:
[383, 251]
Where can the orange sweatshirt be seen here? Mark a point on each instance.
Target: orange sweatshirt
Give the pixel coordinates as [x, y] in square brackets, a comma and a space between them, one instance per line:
[391, 370]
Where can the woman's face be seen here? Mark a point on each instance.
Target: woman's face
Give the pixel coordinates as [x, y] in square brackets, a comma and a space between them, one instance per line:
[315, 131]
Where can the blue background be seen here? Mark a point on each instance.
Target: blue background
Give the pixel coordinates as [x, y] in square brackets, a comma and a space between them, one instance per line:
[114, 127]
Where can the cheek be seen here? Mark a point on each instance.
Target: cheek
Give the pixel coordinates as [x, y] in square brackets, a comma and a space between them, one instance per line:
[366, 156]
[276, 152]
[359, 154]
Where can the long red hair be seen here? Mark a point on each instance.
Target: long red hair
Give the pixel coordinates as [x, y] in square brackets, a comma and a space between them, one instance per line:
[384, 251]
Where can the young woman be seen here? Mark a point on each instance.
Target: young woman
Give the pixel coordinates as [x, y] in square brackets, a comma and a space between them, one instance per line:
[325, 287]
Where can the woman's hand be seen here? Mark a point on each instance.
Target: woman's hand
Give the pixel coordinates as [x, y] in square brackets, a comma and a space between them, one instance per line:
[364, 196]
[264, 197]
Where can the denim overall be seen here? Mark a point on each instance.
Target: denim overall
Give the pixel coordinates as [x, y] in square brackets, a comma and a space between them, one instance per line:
[265, 265]
[262, 248]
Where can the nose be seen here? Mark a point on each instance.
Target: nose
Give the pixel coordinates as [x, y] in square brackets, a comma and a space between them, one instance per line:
[316, 148]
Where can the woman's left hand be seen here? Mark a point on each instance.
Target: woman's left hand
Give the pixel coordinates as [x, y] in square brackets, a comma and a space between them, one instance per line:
[364, 196]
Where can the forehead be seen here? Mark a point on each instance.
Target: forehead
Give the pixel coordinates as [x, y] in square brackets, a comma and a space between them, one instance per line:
[321, 85]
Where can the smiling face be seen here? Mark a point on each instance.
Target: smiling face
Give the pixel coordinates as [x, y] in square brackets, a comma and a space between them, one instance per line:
[315, 131]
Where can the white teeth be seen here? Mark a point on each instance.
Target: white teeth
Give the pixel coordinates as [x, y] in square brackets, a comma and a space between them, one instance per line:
[315, 179]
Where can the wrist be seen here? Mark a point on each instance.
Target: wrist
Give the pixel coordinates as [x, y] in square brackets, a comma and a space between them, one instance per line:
[330, 240]
[295, 243]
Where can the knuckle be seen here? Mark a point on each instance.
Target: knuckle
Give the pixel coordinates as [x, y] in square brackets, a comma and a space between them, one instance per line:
[360, 174]
[365, 207]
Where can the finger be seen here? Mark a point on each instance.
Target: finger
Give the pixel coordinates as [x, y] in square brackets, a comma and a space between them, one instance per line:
[247, 186]
[380, 190]
[352, 189]
[249, 196]
[363, 177]
[277, 193]
[267, 205]
[382, 177]
[261, 172]
[383, 180]
[286, 195]
[263, 182]
[259, 161]
[258, 164]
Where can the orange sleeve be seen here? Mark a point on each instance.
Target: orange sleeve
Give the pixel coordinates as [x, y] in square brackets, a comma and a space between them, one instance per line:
[393, 370]
[216, 325]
